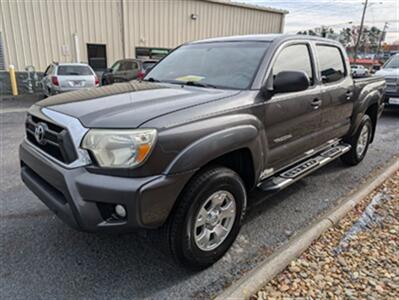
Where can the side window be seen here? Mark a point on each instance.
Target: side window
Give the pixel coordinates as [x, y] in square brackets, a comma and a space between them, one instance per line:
[134, 66]
[124, 66]
[332, 67]
[294, 58]
[116, 67]
[129, 66]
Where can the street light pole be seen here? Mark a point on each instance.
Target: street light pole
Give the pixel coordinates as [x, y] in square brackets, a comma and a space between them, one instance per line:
[360, 30]
[380, 40]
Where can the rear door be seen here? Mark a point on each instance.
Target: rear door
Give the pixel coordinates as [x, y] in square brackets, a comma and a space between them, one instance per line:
[293, 119]
[132, 69]
[336, 91]
[119, 71]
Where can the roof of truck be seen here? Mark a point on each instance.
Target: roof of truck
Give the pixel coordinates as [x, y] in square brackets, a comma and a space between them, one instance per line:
[263, 38]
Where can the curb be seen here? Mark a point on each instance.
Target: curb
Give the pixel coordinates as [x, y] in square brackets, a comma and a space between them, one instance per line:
[273, 265]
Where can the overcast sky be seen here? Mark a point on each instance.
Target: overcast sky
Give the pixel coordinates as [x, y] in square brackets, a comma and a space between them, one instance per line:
[308, 14]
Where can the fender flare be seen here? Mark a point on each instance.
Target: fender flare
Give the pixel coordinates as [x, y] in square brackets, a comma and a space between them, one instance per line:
[214, 145]
[369, 100]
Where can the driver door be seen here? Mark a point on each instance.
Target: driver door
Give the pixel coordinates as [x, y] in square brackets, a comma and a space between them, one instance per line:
[292, 119]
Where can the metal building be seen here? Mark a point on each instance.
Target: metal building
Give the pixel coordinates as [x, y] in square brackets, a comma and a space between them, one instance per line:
[37, 32]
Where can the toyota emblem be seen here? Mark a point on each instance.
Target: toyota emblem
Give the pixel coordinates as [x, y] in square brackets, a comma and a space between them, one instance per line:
[40, 132]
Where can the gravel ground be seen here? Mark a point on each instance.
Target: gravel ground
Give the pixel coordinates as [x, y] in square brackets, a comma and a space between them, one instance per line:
[356, 259]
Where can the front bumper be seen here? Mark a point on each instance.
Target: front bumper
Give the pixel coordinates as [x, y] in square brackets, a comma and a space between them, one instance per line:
[85, 201]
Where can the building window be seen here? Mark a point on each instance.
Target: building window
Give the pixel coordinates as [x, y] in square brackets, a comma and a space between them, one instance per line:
[97, 56]
[151, 52]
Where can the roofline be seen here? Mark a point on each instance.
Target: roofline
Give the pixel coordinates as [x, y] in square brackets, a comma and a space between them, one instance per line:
[269, 38]
[250, 6]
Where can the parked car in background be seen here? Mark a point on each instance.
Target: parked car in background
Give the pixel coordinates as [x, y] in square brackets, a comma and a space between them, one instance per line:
[126, 70]
[65, 77]
[359, 71]
[390, 71]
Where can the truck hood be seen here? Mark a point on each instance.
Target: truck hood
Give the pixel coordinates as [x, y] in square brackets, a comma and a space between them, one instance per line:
[130, 104]
[388, 73]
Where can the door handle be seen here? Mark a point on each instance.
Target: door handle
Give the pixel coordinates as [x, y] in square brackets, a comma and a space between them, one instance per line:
[349, 95]
[316, 102]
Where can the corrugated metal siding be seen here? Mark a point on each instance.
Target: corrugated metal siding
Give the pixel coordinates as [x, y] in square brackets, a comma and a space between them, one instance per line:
[2, 63]
[36, 32]
[169, 23]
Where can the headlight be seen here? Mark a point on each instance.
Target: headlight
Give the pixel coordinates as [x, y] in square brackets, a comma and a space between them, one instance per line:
[119, 148]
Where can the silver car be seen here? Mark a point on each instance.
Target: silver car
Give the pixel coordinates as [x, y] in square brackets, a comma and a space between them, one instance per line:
[65, 77]
[390, 71]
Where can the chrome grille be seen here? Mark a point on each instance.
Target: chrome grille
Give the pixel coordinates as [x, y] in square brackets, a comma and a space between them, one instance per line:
[392, 84]
[55, 140]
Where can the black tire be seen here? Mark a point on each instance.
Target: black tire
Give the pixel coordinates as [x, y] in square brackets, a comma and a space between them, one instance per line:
[352, 157]
[181, 223]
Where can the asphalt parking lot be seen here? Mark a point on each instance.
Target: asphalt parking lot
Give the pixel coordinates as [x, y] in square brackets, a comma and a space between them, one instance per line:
[42, 258]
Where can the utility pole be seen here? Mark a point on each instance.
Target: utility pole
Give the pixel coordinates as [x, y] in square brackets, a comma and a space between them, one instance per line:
[360, 30]
[122, 24]
[380, 40]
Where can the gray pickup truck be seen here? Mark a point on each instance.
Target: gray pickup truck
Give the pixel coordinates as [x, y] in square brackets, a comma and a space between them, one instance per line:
[180, 150]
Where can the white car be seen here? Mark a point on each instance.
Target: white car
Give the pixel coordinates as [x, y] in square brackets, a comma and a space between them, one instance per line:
[390, 71]
[65, 77]
[359, 71]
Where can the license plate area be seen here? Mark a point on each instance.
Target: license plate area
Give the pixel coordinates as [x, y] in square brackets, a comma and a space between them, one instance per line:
[76, 83]
[393, 101]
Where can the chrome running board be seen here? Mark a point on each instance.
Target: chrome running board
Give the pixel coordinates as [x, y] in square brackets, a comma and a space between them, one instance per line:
[293, 174]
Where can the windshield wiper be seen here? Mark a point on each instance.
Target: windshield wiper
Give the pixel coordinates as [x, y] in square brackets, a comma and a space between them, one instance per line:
[152, 79]
[200, 84]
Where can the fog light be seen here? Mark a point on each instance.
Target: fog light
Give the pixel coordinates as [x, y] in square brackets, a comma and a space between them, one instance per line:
[120, 211]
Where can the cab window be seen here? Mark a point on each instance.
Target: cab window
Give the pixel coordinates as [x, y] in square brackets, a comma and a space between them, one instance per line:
[294, 58]
[331, 63]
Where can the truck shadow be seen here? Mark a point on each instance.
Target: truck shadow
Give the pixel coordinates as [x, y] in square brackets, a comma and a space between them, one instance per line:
[131, 265]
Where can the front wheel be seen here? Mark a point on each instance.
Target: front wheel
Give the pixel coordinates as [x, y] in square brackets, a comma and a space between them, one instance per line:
[207, 218]
[359, 142]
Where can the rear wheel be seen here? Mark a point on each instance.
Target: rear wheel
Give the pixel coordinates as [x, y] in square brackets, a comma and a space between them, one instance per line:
[207, 219]
[359, 142]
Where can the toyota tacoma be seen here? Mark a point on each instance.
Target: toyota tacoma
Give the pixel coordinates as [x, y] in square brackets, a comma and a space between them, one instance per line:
[180, 150]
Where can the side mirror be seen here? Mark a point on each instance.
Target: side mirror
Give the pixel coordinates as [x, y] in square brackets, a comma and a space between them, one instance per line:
[290, 81]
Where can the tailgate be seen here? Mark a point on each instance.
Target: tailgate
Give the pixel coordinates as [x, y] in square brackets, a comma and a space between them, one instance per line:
[76, 82]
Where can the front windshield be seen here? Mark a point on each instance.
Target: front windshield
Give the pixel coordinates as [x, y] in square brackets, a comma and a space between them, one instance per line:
[221, 65]
[393, 63]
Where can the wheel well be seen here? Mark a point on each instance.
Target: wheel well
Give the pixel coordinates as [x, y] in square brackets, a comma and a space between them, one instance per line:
[241, 162]
[372, 112]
